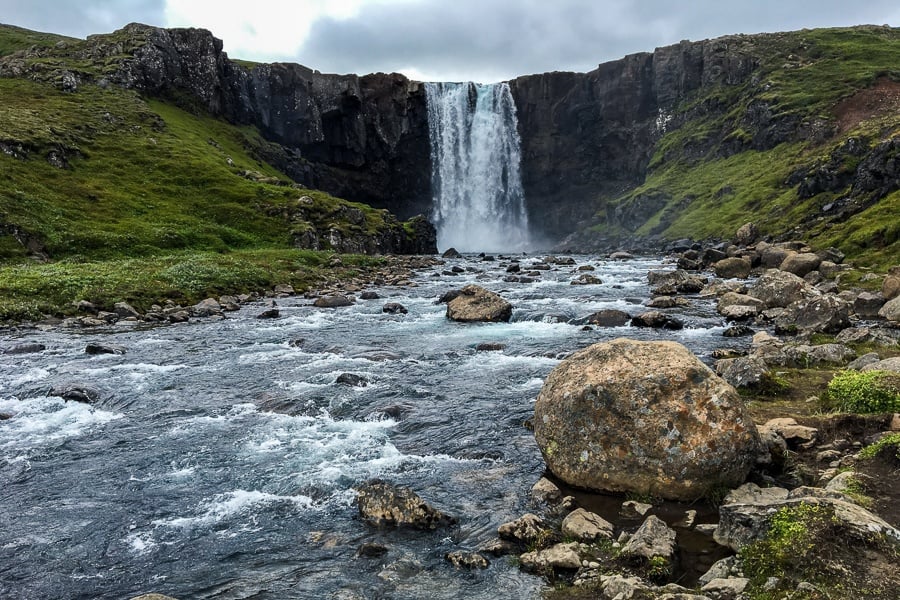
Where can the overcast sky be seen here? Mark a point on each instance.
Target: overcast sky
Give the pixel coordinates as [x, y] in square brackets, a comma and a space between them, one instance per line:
[448, 40]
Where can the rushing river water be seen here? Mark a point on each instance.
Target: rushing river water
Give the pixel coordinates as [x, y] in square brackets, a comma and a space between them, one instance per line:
[220, 461]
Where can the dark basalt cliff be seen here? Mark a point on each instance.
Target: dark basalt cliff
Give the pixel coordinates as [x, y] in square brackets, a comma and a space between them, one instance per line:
[363, 138]
[638, 148]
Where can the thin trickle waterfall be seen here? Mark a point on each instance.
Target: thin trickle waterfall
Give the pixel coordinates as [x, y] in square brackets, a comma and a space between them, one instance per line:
[478, 203]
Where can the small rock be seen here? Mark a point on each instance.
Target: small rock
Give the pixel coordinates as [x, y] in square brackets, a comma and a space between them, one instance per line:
[489, 347]
[609, 318]
[179, 316]
[394, 308]
[284, 289]
[559, 556]
[545, 491]
[270, 313]
[76, 393]
[656, 320]
[229, 303]
[726, 589]
[25, 349]
[653, 538]
[335, 301]
[586, 279]
[352, 380]
[372, 550]
[125, 310]
[451, 253]
[104, 349]
[586, 526]
[467, 560]
[369, 296]
[381, 503]
[206, 308]
[632, 509]
[526, 529]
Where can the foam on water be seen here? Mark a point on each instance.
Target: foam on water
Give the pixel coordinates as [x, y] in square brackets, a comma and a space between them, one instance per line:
[38, 421]
[233, 503]
[32, 375]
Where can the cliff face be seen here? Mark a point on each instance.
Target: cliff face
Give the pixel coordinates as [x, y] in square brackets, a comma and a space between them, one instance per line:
[360, 138]
[667, 143]
[789, 130]
[590, 136]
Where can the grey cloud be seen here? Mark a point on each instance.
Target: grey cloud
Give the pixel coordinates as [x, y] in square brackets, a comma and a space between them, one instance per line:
[80, 18]
[502, 39]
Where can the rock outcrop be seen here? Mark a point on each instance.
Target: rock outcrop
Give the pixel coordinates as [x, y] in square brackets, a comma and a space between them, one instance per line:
[644, 417]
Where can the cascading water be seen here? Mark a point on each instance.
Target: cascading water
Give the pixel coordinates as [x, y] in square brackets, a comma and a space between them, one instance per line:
[479, 204]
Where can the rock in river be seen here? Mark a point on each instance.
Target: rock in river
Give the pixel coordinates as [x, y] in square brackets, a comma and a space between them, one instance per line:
[644, 417]
[381, 503]
[474, 303]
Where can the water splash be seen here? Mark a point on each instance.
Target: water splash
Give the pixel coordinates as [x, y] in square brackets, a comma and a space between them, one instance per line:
[479, 203]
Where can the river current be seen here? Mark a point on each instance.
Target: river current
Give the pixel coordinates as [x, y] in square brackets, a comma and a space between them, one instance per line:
[221, 459]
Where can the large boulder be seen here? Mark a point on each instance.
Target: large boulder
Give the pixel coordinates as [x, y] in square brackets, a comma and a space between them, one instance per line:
[780, 288]
[801, 264]
[474, 303]
[891, 310]
[644, 417]
[820, 314]
[890, 287]
[733, 267]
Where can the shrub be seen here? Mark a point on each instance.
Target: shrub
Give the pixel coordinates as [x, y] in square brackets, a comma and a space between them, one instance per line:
[869, 392]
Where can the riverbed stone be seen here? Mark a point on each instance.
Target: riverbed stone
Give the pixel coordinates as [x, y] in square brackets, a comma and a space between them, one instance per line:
[585, 526]
[644, 417]
[779, 288]
[333, 301]
[609, 318]
[800, 264]
[27, 348]
[467, 560]
[546, 492]
[207, 308]
[527, 529]
[820, 314]
[891, 310]
[652, 539]
[98, 348]
[559, 556]
[381, 503]
[657, 320]
[474, 303]
[76, 392]
[732, 268]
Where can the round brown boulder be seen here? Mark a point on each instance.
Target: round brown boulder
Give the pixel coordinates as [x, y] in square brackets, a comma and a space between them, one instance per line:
[644, 417]
[474, 303]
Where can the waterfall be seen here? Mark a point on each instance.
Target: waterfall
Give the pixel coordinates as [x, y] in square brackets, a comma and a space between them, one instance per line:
[479, 204]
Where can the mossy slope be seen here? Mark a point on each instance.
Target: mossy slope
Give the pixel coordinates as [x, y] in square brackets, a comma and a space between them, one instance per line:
[795, 149]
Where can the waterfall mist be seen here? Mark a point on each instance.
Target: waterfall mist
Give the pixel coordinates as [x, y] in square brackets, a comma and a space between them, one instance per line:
[479, 204]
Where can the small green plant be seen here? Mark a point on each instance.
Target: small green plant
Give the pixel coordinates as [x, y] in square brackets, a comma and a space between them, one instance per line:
[790, 545]
[888, 443]
[868, 392]
[658, 568]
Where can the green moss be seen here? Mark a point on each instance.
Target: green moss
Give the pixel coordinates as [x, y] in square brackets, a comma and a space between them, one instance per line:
[889, 443]
[789, 547]
[867, 392]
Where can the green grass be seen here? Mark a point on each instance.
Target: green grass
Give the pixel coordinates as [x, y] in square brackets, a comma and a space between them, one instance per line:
[32, 290]
[715, 181]
[888, 443]
[146, 177]
[867, 392]
[14, 38]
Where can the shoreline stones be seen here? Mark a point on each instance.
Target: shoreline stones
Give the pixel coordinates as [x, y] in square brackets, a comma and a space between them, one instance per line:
[644, 417]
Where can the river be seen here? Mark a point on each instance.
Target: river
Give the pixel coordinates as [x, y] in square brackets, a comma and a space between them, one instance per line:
[221, 459]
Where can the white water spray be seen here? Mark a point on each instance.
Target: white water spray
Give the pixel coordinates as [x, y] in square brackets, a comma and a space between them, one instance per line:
[479, 204]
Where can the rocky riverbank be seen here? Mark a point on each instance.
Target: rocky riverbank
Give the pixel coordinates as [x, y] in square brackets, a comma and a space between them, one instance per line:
[815, 491]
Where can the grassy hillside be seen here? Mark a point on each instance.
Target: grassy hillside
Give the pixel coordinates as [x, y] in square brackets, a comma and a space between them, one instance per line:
[727, 159]
[95, 178]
